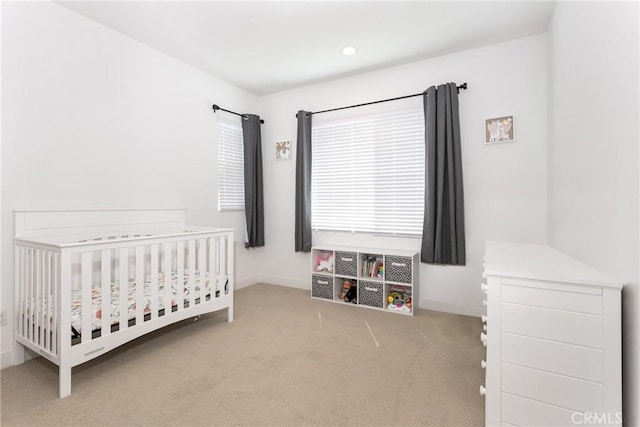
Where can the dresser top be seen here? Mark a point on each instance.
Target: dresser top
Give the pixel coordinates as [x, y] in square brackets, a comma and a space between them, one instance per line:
[541, 262]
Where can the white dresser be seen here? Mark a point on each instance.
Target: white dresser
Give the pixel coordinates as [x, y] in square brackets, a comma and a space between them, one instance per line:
[553, 339]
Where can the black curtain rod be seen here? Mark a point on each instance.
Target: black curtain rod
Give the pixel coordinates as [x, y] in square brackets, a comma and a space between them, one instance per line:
[244, 116]
[462, 86]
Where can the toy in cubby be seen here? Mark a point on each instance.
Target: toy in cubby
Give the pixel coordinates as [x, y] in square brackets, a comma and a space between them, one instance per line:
[349, 291]
[352, 295]
[399, 299]
[324, 261]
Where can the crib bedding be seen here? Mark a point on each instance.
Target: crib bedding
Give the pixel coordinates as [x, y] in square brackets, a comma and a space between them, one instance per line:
[202, 287]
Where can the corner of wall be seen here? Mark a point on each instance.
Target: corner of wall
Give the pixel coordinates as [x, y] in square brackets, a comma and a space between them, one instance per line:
[550, 122]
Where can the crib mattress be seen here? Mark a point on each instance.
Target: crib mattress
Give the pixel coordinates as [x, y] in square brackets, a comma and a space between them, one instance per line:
[202, 287]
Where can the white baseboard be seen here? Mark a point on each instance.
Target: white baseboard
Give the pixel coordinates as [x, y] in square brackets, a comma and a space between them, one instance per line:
[247, 282]
[6, 359]
[289, 282]
[446, 308]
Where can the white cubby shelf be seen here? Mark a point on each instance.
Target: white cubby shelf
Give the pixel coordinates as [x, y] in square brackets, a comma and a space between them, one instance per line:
[382, 279]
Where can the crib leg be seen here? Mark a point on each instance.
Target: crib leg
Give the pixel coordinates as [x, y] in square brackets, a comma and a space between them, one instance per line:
[230, 313]
[18, 353]
[65, 381]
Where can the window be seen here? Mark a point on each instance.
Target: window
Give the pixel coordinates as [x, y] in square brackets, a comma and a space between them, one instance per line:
[230, 163]
[368, 170]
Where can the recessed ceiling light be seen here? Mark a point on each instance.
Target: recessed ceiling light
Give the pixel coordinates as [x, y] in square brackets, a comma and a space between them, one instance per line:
[349, 50]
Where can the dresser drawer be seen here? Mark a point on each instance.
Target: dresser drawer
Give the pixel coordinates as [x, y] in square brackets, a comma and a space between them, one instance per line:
[346, 263]
[551, 356]
[519, 411]
[549, 298]
[556, 325]
[570, 393]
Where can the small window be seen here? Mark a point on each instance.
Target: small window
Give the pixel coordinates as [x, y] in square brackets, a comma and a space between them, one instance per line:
[368, 170]
[230, 163]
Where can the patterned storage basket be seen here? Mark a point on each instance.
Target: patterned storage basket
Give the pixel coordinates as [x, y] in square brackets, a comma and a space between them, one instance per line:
[322, 286]
[398, 269]
[371, 293]
[346, 263]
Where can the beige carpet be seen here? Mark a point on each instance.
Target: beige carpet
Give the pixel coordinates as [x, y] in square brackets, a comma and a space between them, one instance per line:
[286, 360]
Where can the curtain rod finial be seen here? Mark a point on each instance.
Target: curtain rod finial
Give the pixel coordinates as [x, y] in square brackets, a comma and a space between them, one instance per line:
[215, 108]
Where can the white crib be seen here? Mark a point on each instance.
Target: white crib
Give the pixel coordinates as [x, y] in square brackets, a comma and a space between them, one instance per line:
[147, 265]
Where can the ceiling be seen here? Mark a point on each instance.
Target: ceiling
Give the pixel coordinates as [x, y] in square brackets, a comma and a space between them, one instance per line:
[270, 46]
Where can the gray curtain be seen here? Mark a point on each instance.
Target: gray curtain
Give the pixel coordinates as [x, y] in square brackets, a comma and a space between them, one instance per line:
[253, 195]
[443, 228]
[303, 183]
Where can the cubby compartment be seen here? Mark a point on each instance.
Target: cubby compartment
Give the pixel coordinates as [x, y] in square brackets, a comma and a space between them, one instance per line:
[372, 265]
[323, 261]
[346, 290]
[398, 298]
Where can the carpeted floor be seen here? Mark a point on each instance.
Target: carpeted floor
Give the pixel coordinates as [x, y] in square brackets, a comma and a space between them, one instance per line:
[286, 360]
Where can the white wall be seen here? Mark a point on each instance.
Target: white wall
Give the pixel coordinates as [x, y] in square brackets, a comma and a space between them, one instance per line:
[593, 154]
[505, 184]
[91, 118]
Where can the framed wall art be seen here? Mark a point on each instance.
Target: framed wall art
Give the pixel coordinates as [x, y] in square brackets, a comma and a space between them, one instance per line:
[499, 129]
[283, 150]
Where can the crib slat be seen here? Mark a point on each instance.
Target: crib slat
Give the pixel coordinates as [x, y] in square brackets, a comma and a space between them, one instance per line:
[123, 306]
[49, 292]
[154, 282]
[35, 313]
[54, 302]
[180, 274]
[27, 295]
[23, 289]
[191, 256]
[40, 299]
[44, 315]
[105, 294]
[212, 269]
[139, 285]
[202, 268]
[224, 242]
[87, 312]
[168, 279]
[42, 295]
[29, 292]
[18, 301]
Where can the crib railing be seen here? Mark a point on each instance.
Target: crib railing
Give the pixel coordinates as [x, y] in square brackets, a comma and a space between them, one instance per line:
[37, 295]
[147, 282]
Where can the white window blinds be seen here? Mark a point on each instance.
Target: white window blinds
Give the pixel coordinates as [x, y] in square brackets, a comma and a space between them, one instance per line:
[230, 163]
[368, 170]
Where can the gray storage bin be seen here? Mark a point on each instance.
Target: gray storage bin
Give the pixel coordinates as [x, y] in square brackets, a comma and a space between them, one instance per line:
[398, 269]
[322, 286]
[371, 293]
[346, 263]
